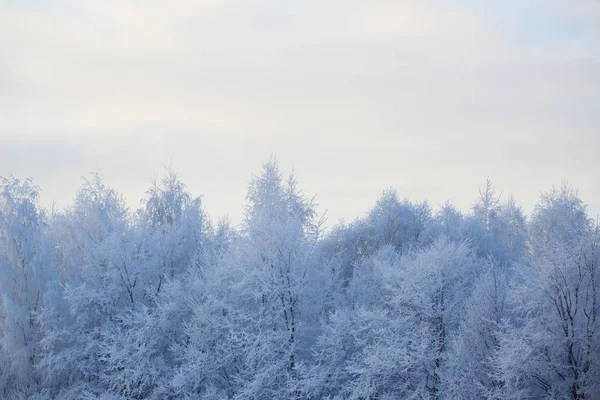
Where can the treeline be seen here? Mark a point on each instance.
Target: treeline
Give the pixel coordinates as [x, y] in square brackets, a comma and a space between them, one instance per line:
[102, 302]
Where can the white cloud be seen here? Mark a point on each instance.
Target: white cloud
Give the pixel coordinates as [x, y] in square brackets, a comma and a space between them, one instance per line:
[428, 97]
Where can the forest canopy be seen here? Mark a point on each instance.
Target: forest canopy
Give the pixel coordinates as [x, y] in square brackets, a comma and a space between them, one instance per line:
[99, 301]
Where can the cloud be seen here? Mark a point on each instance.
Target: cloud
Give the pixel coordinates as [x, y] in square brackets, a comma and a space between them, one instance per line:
[430, 97]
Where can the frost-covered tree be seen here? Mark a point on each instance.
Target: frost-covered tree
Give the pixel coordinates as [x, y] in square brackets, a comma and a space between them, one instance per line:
[367, 288]
[560, 216]
[430, 291]
[472, 349]
[391, 222]
[497, 228]
[448, 222]
[553, 351]
[214, 340]
[97, 302]
[397, 223]
[279, 234]
[96, 256]
[359, 355]
[176, 245]
[25, 270]
[394, 342]
[174, 228]
[487, 207]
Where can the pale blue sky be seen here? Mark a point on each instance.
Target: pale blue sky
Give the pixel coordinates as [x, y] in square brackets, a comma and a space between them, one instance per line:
[429, 97]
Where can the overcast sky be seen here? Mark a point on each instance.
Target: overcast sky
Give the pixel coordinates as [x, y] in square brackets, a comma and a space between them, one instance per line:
[429, 97]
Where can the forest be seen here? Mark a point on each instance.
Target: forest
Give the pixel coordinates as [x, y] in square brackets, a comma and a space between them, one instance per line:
[100, 301]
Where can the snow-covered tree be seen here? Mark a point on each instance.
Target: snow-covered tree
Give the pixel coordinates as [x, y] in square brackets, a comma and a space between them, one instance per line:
[430, 291]
[279, 233]
[472, 348]
[97, 302]
[96, 255]
[397, 223]
[394, 343]
[560, 216]
[174, 228]
[448, 222]
[25, 270]
[497, 228]
[552, 350]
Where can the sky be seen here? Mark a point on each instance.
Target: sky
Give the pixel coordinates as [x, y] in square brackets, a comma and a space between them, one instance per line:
[428, 97]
